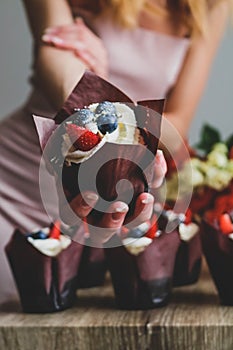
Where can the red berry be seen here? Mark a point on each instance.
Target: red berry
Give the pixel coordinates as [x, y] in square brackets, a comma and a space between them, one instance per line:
[223, 203]
[83, 139]
[55, 230]
[188, 216]
[151, 233]
[226, 224]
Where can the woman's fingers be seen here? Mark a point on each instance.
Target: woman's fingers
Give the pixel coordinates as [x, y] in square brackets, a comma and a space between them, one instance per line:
[79, 208]
[110, 224]
[78, 38]
[143, 210]
[115, 216]
[83, 203]
[160, 170]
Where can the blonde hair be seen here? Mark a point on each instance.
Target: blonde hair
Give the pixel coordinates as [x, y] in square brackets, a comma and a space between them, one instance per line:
[190, 13]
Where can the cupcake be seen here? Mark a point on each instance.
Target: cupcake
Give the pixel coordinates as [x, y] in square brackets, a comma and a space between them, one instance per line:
[206, 174]
[184, 202]
[189, 256]
[216, 169]
[102, 133]
[44, 264]
[217, 240]
[141, 263]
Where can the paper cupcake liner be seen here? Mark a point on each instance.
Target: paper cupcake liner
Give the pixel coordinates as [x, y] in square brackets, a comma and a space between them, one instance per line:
[218, 251]
[45, 284]
[93, 267]
[118, 161]
[143, 281]
[188, 262]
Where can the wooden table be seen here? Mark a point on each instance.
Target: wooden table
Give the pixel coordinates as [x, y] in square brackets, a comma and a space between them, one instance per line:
[193, 320]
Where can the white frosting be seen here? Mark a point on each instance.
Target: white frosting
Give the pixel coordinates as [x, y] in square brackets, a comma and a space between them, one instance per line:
[136, 245]
[187, 232]
[230, 236]
[45, 230]
[50, 246]
[77, 156]
[126, 133]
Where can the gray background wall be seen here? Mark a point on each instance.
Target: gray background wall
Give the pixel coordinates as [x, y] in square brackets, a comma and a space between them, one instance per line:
[215, 107]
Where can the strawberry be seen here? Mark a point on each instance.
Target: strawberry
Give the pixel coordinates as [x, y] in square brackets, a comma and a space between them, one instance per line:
[151, 233]
[55, 231]
[226, 224]
[188, 216]
[83, 139]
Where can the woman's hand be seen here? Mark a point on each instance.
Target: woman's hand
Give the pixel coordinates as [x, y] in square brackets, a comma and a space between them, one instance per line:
[77, 37]
[160, 169]
[111, 222]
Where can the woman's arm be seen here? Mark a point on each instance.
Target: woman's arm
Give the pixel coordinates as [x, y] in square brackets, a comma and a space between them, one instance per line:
[57, 71]
[183, 99]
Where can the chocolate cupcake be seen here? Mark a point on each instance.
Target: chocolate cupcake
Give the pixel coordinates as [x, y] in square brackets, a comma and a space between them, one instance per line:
[217, 241]
[188, 261]
[44, 264]
[189, 256]
[101, 132]
[142, 269]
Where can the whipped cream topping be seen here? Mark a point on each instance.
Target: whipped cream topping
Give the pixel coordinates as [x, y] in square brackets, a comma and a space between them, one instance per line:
[230, 236]
[50, 246]
[187, 232]
[126, 133]
[136, 246]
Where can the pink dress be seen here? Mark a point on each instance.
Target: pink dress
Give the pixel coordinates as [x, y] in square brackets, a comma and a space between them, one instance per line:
[144, 64]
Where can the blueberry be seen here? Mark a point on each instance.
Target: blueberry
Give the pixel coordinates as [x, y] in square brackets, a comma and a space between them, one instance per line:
[105, 107]
[83, 117]
[139, 231]
[136, 233]
[107, 123]
[39, 235]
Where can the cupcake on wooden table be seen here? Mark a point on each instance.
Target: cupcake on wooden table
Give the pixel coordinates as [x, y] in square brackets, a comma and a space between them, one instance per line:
[141, 262]
[44, 264]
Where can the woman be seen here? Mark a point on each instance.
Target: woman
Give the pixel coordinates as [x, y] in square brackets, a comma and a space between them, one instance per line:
[149, 49]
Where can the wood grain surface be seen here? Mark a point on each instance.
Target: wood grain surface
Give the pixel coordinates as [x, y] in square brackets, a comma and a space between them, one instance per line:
[193, 320]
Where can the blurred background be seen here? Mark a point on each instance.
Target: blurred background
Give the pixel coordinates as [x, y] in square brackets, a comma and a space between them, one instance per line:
[216, 106]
